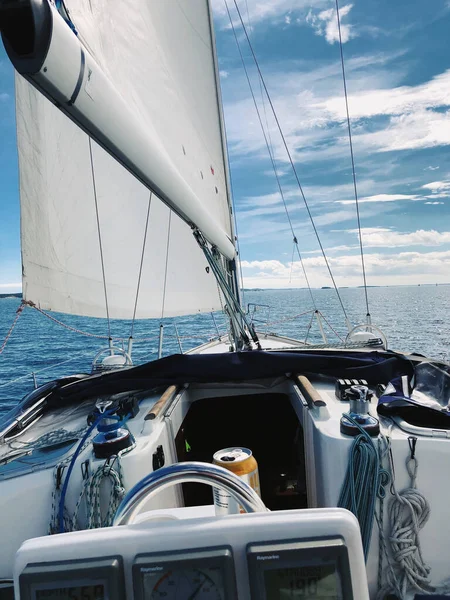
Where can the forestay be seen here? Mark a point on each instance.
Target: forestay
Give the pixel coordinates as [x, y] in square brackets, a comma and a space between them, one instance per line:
[160, 57]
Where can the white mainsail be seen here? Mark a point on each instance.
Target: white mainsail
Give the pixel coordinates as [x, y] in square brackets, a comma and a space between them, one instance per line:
[168, 77]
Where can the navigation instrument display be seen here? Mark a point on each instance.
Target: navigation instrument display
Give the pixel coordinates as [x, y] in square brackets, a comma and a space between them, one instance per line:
[99, 578]
[318, 582]
[180, 584]
[92, 591]
[312, 569]
[201, 574]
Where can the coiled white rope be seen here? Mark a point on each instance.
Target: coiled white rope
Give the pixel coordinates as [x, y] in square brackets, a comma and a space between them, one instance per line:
[91, 492]
[409, 510]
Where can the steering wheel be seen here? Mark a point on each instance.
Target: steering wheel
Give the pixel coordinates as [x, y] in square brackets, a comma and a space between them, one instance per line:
[197, 472]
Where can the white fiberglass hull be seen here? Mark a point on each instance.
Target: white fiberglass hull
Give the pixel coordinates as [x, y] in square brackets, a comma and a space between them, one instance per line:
[288, 431]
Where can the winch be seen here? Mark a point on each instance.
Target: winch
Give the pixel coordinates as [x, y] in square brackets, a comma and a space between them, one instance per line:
[359, 398]
[112, 437]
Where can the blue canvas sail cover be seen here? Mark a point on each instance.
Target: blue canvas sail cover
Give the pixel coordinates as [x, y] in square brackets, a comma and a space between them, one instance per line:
[422, 399]
[375, 367]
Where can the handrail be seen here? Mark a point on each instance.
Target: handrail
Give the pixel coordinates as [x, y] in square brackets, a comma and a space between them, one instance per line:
[166, 397]
[309, 392]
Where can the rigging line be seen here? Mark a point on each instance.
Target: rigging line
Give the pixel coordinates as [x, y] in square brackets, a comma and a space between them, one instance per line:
[352, 157]
[241, 276]
[236, 232]
[292, 263]
[235, 219]
[142, 262]
[248, 15]
[294, 170]
[271, 156]
[99, 238]
[167, 264]
[260, 84]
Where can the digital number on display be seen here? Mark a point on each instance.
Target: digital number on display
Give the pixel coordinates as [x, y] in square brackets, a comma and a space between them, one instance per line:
[84, 592]
[303, 583]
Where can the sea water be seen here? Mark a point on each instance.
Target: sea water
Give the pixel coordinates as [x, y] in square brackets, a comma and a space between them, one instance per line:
[414, 319]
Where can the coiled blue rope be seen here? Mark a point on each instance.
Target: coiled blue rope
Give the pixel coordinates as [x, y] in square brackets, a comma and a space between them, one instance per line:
[364, 481]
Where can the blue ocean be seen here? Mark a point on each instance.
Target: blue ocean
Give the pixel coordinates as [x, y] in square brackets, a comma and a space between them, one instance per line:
[414, 319]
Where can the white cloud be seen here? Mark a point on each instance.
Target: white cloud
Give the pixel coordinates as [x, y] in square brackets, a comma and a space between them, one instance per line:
[280, 172]
[11, 287]
[435, 195]
[413, 131]
[437, 186]
[311, 109]
[258, 11]
[374, 238]
[367, 230]
[394, 101]
[397, 269]
[223, 74]
[325, 24]
[434, 202]
[430, 168]
[381, 198]
[287, 19]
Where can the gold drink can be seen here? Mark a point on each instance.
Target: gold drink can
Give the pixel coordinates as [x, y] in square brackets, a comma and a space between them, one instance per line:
[242, 463]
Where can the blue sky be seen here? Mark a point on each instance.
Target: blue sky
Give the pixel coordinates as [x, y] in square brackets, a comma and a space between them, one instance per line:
[398, 78]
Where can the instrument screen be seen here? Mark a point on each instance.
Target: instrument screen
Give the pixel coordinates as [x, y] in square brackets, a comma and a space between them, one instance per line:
[80, 579]
[319, 582]
[204, 574]
[91, 591]
[314, 569]
[183, 583]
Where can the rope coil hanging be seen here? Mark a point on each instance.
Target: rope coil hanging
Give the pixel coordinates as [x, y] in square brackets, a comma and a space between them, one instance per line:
[409, 511]
[364, 481]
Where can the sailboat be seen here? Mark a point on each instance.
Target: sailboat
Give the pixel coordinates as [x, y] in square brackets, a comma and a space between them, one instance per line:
[126, 211]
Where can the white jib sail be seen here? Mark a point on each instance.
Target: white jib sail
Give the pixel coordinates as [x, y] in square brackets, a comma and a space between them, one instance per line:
[160, 56]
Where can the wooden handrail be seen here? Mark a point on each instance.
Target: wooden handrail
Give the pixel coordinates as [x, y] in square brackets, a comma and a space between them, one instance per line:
[161, 404]
[312, 396]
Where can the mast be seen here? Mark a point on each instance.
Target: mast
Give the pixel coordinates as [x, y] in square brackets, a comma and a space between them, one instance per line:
[240, 327]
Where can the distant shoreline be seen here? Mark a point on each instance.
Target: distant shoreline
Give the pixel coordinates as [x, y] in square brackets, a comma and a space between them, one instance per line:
[344, 287]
